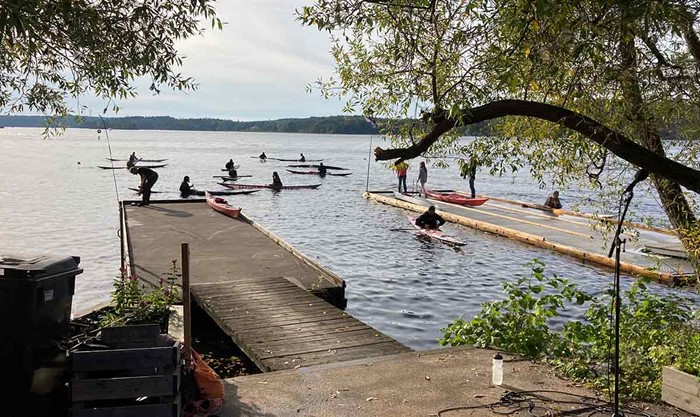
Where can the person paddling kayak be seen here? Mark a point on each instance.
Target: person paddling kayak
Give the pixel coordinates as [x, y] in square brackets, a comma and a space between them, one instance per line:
[186, 189]
[302, 158]
[263, 157]
[132, 160]
[229, 164]
[276, 181]
[233, 173]
[430, 219]
[322, 170]
[148, 178]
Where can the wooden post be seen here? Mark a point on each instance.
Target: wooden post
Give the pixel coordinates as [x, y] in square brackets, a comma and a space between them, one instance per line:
[186, 311]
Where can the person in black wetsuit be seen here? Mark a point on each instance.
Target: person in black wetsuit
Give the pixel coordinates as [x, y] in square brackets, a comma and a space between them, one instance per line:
[229, 165]
[232, 173]
[263, 157]
[186, 189]
[553, 201]
[132, 160]
[302, 158]
[430, 219]
[148, 178]
[322, 170]
[276, 181]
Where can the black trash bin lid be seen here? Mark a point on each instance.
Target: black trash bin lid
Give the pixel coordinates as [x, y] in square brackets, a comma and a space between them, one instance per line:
[37, 266]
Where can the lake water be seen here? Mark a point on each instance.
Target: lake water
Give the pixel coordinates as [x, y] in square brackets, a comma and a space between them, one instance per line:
[55, 200]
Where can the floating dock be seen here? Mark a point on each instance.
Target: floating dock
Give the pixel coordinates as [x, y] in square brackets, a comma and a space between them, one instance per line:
[279, 306]
[575, 234]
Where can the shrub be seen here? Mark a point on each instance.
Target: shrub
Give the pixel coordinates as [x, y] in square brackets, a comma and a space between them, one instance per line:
[654, 331]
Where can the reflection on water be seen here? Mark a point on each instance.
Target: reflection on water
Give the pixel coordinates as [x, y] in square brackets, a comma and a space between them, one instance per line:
[54, 199]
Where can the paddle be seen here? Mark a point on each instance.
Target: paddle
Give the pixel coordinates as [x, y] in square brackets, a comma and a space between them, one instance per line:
[403, 229]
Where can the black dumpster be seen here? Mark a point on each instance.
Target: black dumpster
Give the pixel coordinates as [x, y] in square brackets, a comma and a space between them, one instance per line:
[36, 296]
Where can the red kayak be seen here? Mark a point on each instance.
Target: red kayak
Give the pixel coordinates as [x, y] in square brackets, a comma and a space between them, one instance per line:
[341, 174]
[455, 198]
[222, 206]
[284, 187]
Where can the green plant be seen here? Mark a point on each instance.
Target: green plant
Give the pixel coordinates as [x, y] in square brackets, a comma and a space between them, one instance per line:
[520, 322]
[654, 331]
[134, 303]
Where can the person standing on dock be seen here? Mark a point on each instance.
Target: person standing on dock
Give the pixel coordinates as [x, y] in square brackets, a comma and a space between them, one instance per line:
[229, 164]
[276, 181]
[322, 169]
[422, 177]
[469, 170]
[302, 158]
[148, 178]
[430, 219]
[553, 201]
[186, 189]
[401, 172]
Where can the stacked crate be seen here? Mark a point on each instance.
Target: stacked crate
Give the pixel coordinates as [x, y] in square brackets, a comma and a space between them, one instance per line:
[139, 375]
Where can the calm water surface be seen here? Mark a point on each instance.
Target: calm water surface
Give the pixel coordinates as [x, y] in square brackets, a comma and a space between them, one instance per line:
[53, 199]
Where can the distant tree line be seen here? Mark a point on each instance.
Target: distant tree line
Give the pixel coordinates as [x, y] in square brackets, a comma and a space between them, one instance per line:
[350, 125]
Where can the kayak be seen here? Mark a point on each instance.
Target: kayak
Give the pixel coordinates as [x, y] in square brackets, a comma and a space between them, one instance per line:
[139, 160]
[226, 178]
[222, 206]
[138, 191]
[295, 160]
[202, 193]
[235, 166]
[232, 192]
[284, 187]
[455, 198]
[313, 166]
[436, 234]
[137, 166]
[341, 174]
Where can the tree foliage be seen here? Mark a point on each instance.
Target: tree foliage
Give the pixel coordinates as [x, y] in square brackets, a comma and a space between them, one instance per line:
[52, 51]
[579, 88]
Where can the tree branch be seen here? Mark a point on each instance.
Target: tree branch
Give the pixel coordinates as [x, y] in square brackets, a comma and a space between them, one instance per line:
[596, 131]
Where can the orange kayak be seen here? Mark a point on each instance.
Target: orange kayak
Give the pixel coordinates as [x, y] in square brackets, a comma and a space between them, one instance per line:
[222, 206]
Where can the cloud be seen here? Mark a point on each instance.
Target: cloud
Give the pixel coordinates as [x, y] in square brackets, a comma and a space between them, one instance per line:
[256, 68]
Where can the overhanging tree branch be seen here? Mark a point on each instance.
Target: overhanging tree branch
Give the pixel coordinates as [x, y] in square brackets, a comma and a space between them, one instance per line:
[596, 131]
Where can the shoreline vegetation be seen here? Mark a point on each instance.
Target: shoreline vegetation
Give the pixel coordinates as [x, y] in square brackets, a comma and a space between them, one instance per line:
[344, 125]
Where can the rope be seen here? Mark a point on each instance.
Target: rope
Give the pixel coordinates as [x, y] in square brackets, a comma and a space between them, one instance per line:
[111, 158]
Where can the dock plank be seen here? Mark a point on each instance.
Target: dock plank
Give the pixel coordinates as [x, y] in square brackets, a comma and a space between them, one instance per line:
[277, 332]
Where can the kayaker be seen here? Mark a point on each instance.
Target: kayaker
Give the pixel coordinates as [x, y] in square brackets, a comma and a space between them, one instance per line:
[233, 173]
[401, 172]
[276, 181]
[322, 170]
[148, 178]
[430, 219]
[422, 177]
[302, 158]
[469, 170]
[186, 189]
[263, 157]
[229, 164]
[553, 201]
[132, 160]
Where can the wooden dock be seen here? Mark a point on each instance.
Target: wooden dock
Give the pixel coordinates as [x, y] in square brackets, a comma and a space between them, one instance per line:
[279, 306]
[570, 233]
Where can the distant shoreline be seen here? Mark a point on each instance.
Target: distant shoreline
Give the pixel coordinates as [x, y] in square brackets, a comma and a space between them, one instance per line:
[342, 125]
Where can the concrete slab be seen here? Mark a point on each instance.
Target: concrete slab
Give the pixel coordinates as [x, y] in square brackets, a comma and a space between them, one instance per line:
[413, 384]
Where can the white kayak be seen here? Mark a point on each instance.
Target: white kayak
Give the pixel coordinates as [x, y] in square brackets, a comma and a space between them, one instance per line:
[436, 234]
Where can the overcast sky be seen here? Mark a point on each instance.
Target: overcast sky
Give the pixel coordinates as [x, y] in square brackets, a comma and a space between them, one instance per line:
[257, 68]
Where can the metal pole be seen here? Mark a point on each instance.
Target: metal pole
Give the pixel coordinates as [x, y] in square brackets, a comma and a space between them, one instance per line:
[617, 247]
[187, 312]
[369, 158]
